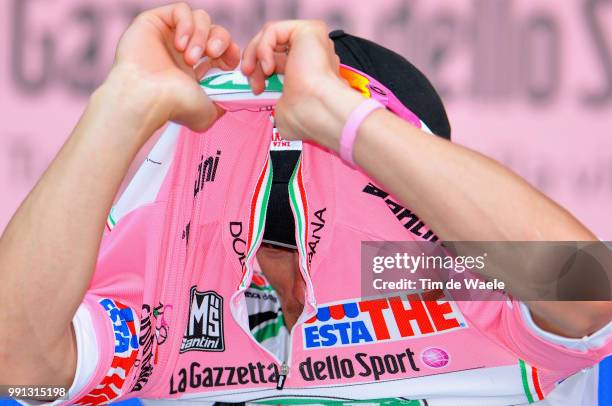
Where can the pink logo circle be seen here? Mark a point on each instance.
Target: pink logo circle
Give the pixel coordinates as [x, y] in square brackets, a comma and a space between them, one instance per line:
[435, 357]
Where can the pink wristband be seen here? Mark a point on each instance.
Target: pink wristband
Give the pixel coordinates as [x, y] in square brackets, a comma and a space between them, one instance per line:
[349, 132]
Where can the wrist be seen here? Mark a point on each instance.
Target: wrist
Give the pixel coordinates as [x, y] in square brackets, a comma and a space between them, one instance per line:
[326, 114]
[127, 98]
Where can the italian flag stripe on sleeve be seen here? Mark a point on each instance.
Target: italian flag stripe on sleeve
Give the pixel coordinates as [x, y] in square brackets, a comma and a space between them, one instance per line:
[110, 221]
[531, 382]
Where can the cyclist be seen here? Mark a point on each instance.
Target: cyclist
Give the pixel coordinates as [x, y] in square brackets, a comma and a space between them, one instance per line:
[189, 241]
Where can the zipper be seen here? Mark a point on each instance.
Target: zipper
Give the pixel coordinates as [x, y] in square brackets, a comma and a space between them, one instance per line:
[284, 366]
[302, 230]
[169, 285]
[182, 205]
[284, 371]
[259, 207]
[295, 201]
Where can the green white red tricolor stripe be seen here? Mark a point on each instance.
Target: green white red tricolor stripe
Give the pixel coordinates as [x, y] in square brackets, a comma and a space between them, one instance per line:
[257, 217]
[297, 196]
[531, 382]
[110, 221]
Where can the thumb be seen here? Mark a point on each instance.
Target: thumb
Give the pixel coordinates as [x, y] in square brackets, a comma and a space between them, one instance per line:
[201, 116]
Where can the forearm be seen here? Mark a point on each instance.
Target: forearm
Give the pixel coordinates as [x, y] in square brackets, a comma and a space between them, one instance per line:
[48, 252]
[49, 249]
[459, 193]
[465, 196]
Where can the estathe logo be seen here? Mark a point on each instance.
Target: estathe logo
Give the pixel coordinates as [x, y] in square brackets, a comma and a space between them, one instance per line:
[375, 320]
[125, 328]
[204, 330]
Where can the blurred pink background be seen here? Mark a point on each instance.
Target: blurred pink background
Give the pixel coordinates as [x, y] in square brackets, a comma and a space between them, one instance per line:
[528, 83]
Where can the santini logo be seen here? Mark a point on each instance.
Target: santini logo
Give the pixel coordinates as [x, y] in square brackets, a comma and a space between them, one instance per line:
[207, 170]
[205, 324]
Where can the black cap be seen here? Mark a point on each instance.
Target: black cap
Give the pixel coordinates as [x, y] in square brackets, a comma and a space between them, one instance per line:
[406, 82]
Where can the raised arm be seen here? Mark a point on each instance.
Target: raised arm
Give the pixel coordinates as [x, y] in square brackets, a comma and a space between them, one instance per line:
[471, 189]
[48, 251]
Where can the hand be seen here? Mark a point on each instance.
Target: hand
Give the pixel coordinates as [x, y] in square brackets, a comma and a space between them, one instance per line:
[156, 65]
[303, 52]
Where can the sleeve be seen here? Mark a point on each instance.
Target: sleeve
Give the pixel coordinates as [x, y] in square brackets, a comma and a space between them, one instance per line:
[585, 344]
[549, 350]
[107, 351]
[87, 350]
[145, 187]
[106, 334]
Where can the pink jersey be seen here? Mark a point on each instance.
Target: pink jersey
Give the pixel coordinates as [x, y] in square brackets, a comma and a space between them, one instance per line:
[167, 300]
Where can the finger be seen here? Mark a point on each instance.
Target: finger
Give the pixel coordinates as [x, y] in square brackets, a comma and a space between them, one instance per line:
[176, 17]
[230, 58]
[196, 46]
[204, 121]
[257, 80]
[249, 56]
[272, 37]
[182, 21]
[281, 49]
[228, 61]
[203, 67]
[201, 118]
[334, 58]
[336, 64]
[219, 39]
[280, 61]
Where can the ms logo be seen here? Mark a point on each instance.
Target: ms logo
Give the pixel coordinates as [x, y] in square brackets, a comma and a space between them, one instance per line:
[204, 330]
